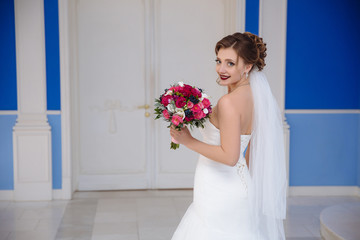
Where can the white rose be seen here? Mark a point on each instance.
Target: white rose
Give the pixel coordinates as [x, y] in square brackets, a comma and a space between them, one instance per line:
[203, 95]
[180, 112]
[169, 92]
[205, 111]
[171, 107]
[181, 84]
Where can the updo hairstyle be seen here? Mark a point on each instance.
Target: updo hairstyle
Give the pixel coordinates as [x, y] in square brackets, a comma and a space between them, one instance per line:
[248, 46]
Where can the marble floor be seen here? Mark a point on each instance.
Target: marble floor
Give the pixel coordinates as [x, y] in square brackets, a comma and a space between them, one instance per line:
[134, 215]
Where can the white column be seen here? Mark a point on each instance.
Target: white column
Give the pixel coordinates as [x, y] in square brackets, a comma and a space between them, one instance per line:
[272, 27]
[32, 132]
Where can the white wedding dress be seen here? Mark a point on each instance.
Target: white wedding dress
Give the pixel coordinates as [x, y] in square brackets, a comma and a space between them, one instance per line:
[220, 209]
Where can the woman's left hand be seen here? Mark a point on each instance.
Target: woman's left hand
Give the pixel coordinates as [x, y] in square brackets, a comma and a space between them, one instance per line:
[182, 137]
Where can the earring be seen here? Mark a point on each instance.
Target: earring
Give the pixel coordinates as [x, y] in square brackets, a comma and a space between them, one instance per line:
[218, 80]
[247, 75]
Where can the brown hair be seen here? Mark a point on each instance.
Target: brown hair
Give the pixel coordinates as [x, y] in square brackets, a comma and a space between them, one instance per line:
[248, 46]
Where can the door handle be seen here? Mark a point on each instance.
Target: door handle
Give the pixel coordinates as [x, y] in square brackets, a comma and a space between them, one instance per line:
[146, 106]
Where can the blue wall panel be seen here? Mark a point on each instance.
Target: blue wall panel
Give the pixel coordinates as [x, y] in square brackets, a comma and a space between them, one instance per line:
[322, 58]
[358, 147]
[323, 149]
[252, 16]
[8, 92]
[55, 123]
[52, 54]
[6, 152]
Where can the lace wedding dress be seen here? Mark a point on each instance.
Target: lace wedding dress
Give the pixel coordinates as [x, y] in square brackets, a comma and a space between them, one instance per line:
[220, 209]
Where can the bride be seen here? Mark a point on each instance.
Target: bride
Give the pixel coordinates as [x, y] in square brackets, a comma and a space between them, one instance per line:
[240, 180]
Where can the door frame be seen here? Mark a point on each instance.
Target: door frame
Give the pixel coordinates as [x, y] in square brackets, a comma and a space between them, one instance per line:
[68, 75]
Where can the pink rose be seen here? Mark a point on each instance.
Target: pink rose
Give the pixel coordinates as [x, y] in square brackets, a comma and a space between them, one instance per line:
[201, 105]
[199, 115]
[176, 120]
[206, 102]
[196, 108]
[166, 114]
[190, 104]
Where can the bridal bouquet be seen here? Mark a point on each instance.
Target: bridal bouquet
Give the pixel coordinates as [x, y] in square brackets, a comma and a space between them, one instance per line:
[183, 104]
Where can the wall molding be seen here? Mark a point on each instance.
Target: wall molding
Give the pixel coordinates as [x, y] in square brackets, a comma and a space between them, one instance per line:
[64, 48]
[15, 112]
[324, 191]
[314, 111]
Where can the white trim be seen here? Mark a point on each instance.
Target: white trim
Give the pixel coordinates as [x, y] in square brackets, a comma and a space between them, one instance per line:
[292, 111]
[150, 49]
[14, 112]
[240, 15]
[32, 169]
[272, 28]
[324, 191]
[6, 195]
[65, 100]
[312, 111]
[53, 112]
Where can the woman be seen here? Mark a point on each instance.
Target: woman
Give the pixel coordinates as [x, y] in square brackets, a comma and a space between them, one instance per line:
[236, 196]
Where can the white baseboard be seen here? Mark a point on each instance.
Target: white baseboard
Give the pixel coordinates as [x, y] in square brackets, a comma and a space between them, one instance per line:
[324, 191]
[6, 195]
[57, 194]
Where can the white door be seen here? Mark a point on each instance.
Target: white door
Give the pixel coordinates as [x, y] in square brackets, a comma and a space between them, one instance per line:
[128, 51]
[185, 37]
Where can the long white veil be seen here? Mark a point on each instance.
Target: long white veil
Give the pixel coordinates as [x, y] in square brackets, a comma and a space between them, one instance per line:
[267, 191]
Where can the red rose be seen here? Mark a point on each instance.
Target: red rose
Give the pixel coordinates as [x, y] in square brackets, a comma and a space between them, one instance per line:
[166, 100]
[187, 90]
[188, 119]
[196, 92]
[180, 102]
[206, 102]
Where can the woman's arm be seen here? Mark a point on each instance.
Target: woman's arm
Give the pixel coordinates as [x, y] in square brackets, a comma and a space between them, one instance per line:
[229, 124]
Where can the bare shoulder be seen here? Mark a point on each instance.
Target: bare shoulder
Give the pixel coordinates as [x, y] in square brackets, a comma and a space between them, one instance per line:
[236, 102]
[226, 102]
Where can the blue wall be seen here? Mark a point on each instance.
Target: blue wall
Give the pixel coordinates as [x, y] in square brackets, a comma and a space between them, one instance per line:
[252, 16]
[321, 73]
[322, 57]
[6, 152]
[55, 123]
[8, 91]
[323, 149]
[52, 54]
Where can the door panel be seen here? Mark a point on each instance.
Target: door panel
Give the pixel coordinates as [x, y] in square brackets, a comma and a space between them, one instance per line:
[111, 87]
[186, 35]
